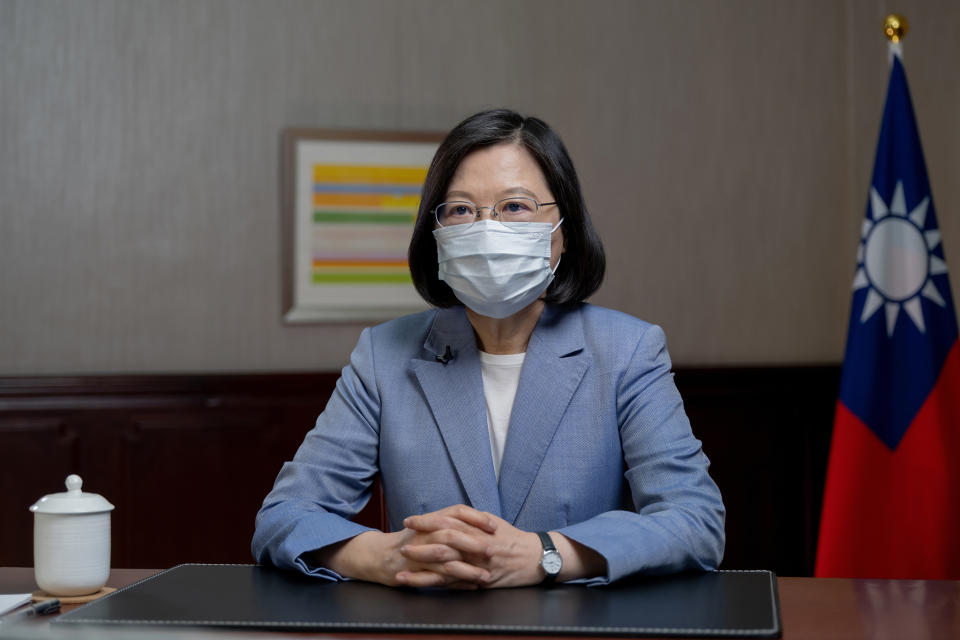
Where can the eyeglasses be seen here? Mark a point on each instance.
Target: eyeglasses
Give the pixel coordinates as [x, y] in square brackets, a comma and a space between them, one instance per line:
[516, 209]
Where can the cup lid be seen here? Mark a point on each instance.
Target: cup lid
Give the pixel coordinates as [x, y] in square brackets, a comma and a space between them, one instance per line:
[72, 501]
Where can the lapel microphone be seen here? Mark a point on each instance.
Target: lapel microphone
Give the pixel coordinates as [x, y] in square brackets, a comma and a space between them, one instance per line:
[446, 357]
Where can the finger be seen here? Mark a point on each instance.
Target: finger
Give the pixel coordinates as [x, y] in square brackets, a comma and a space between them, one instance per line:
[465, 514]
[435, 522]
[427, 579]
[480, 519]
[474, 543]
[460, 517]
[448, 572]
[466, 572]
[420, 579]
[430, 553]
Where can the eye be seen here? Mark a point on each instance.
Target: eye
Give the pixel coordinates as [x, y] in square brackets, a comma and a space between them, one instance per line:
[518, 206]
[456, 209]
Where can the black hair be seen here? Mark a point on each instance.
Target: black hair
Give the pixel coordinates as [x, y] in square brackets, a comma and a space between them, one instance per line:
[581, 269]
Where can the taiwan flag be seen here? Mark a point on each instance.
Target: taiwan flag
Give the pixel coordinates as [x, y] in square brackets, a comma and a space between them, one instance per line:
[891, 507]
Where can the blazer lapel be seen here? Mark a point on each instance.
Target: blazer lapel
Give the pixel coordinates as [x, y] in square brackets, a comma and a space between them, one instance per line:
[552, 370]
[454, 392]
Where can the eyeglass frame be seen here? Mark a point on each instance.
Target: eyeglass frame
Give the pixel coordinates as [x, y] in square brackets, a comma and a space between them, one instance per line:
[494, 215]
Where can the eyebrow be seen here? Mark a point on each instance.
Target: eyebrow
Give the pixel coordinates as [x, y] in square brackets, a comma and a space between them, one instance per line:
[504, 193]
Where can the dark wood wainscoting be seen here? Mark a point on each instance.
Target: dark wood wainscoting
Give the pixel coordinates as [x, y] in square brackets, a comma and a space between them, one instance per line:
[187, 459]
[767, 433]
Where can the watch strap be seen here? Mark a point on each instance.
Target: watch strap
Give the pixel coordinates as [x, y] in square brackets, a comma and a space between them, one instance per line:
[546, 541]
[548, 547]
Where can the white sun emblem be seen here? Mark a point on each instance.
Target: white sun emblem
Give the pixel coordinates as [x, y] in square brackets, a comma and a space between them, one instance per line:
[896, 262]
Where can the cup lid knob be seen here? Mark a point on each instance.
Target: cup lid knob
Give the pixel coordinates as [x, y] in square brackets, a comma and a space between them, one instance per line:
[74, 482]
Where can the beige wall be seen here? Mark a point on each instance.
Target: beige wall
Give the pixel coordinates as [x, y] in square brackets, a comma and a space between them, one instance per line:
[725, 150]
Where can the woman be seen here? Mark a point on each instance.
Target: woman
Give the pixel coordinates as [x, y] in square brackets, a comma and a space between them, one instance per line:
[520, 434]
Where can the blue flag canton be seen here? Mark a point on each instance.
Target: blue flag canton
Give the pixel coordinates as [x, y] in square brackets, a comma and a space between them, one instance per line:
[902, 321]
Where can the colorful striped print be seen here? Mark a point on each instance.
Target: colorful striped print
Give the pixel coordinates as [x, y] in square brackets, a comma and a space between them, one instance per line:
[396, 189]
[360, 272]
[378, 200]
[363, 217]
[361, 278]
[405, 217]
[359, 263]
[368, 174]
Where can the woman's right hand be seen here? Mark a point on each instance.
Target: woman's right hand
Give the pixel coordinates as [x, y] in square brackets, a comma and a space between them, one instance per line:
[455, 553]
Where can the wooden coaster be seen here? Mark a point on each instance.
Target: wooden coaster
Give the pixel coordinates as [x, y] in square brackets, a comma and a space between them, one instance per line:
[40, 596]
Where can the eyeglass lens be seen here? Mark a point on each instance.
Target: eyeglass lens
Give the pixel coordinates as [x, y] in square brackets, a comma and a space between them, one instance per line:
[518, 209]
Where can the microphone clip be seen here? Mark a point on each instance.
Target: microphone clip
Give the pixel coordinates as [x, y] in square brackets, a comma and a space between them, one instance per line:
[446, 357]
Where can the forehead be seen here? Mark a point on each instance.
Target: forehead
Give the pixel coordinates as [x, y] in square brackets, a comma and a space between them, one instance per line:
[497, 169]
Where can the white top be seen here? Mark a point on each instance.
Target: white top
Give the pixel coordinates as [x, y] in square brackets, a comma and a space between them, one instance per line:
[501, 375]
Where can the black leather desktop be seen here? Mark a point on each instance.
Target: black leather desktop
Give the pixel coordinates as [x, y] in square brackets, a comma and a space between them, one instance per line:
[723, 603]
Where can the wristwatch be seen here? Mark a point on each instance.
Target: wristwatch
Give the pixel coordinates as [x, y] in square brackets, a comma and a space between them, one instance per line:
[551, 560]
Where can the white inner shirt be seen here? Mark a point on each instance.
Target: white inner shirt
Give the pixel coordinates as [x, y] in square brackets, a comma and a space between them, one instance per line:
[501, 375]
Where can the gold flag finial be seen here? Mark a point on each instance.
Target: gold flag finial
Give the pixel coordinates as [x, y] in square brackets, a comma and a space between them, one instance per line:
[895, 27]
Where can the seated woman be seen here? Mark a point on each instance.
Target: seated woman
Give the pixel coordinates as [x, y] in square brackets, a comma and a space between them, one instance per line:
[520, 434]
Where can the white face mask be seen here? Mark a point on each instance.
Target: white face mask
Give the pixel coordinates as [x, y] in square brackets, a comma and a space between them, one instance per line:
[496, 268]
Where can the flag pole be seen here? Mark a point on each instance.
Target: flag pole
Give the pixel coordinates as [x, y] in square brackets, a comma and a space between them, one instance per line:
[891, 491]
[895, 27]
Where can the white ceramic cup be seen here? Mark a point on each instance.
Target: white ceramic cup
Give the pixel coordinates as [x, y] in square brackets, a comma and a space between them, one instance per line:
[71, 541]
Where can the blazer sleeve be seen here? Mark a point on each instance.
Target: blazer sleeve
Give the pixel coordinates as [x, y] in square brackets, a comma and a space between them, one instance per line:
[329, 479]
[678, 522]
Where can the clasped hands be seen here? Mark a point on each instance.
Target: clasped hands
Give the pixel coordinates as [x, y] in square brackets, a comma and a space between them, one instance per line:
[461, 547]
[457, 547]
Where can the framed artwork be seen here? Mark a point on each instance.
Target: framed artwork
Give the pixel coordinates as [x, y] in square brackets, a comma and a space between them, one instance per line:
[349, 202]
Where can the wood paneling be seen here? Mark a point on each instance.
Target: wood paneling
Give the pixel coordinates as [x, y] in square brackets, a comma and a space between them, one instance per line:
[767, 433]
[187, 459]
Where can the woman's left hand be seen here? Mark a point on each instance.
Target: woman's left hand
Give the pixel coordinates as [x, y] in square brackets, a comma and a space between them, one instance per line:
[512, 556]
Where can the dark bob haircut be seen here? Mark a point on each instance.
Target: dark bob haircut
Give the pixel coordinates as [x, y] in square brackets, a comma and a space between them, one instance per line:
[580, 271]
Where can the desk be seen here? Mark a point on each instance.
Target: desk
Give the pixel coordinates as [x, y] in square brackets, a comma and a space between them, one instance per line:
[811, 608]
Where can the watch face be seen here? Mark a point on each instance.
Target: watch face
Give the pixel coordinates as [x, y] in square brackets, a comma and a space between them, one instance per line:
[551, 563]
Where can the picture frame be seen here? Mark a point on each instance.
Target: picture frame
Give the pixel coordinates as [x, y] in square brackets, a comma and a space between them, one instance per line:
[349, 202]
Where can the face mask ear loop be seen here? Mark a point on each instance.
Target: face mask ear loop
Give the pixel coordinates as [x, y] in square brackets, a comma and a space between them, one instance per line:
[554, 270]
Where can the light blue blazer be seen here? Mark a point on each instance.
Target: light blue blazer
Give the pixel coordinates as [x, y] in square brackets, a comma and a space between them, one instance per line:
[599, 447]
